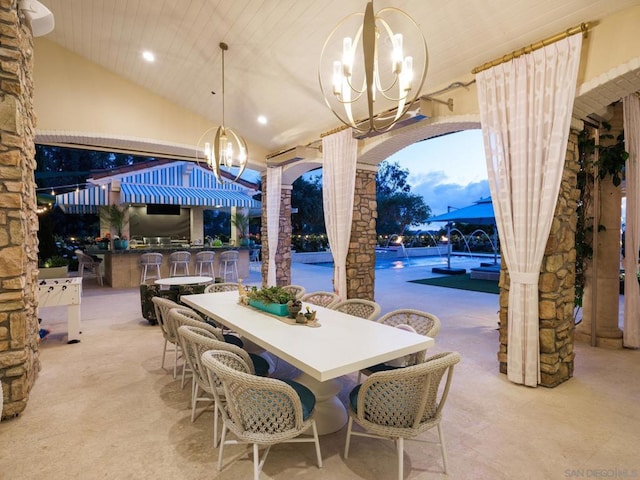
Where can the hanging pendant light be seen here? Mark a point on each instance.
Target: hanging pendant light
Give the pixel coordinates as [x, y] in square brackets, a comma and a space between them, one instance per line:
[371, 66]
[227, 149]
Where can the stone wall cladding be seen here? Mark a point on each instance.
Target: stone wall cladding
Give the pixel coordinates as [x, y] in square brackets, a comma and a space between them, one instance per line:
[19, 362]
[362, 246]
[283, 255]
[556, 286]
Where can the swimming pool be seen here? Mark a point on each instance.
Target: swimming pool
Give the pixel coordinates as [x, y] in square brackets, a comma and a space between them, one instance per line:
[390, 263]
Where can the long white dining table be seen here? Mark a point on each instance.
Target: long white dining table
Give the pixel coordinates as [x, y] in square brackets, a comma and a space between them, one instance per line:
[340, 345]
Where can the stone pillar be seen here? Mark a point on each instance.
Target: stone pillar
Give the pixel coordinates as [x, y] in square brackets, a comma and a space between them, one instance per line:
[606, 275]
[283, 255]
[556, 285]
[19, 362]
[361, 257]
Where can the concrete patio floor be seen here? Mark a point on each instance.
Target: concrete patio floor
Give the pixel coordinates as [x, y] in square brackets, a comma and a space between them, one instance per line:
[105, 409]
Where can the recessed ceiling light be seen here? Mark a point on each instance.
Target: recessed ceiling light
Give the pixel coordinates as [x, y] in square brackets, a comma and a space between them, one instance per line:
[148, 56]
[262, 120]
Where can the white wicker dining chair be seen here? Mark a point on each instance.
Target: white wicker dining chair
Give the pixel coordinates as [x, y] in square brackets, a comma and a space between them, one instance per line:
[221, 287]
[162, 307]
[358, 307]
[296, 290]
[417, 321]
[322, 299]
[402, 404]
[186, 316]
[195, 341]
[262, 411]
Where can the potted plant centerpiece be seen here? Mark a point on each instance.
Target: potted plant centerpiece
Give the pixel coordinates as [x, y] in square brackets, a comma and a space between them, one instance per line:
[271, 299]
[117, 219]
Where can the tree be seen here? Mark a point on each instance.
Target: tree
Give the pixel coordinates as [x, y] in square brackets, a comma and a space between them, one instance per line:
[398, 208]
[307, 198]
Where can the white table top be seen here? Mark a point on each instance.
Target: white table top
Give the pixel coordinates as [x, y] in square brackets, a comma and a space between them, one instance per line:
[342, 344]
[183, 280]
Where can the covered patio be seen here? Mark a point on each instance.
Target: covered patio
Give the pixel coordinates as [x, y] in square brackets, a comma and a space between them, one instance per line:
[87, 88]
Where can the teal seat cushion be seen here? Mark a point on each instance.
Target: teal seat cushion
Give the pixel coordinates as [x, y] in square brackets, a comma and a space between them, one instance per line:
[307, 398]
[260, 365]
[353, 398]
[233, 339]
[381, 367]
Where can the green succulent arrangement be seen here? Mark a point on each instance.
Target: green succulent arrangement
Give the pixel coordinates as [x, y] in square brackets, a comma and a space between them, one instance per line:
[271, 295]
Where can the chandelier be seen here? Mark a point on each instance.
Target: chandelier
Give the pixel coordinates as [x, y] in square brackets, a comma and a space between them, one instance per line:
[382, 72]
[227, 149]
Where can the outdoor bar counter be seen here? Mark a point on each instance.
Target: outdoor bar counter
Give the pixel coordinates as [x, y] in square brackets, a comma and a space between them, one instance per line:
[122, 267]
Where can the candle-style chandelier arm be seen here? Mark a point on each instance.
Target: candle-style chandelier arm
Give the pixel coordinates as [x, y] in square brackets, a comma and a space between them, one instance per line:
[345, 92]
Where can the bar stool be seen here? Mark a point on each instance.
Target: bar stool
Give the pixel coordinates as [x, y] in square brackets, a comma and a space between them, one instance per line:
[179, 260]
[254, 259]
[204, 263]
[228, 264]
[148, 262]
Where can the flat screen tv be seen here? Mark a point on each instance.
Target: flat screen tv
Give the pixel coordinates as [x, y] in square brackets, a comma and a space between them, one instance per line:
[163, 209]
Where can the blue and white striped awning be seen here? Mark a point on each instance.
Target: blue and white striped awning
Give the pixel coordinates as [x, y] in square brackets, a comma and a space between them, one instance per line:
[83, 201]
[186, 196]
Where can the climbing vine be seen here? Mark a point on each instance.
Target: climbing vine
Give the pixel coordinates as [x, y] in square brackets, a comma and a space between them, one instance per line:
[610, 161]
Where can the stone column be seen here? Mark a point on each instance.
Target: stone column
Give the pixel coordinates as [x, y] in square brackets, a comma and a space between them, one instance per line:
[283, 255]
[556, 285]
[606, 274]
[19, 362]
[361, 257]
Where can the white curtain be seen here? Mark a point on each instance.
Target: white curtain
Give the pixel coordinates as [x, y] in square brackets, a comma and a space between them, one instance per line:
[338, 184]
[525, 111]
[631, 336]
[274, 192]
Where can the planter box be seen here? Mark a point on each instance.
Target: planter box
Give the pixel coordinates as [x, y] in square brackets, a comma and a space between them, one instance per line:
[52, 272]
[275, 308]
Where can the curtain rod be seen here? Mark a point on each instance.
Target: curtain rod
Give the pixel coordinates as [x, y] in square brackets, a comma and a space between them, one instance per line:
[582, 28]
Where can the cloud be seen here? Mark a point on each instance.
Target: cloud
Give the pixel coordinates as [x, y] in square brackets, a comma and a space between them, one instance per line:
[439, 194]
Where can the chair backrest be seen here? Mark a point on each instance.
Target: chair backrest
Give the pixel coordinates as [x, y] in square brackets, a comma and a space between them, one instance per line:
[204, 257]
[358, 307]
[417, 400]
[186, 316]
[322, 299]
[256, 408]
[296, 290]
[194, 341]
[254, 255]
[162, 307]
[229, 256]
[180, 257]
[421, 322]
[84, 258]
[221, 287]
[151, 258]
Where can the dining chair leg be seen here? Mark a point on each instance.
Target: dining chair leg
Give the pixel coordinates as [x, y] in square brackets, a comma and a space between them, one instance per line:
[175, 362]
[164, 353]
[400, 445]
[194, 403]
[222, 440]
[256, 462]
[346, 444]
[443, 448]
[315, 436]
[215, 424]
